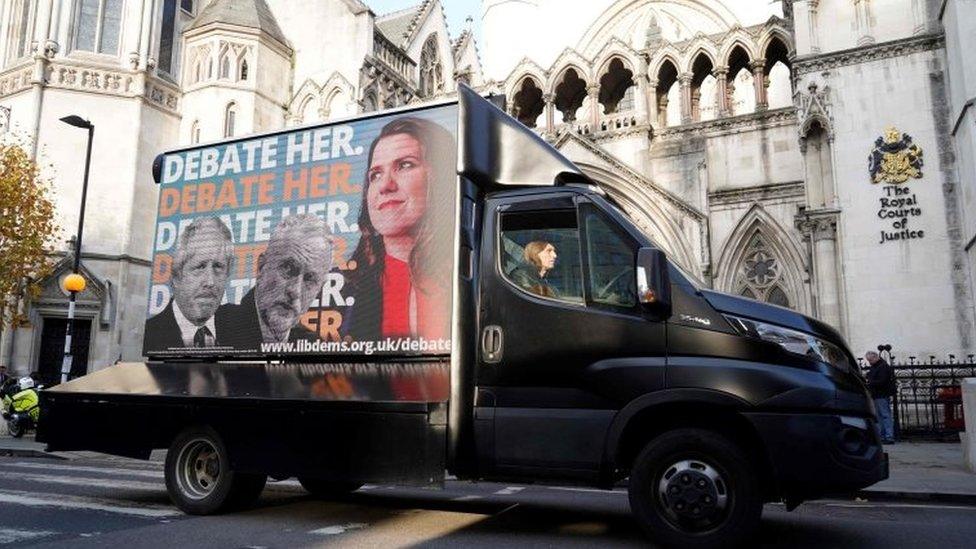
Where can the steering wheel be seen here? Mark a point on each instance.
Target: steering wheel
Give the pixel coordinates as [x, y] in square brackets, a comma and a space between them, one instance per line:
[605, 293]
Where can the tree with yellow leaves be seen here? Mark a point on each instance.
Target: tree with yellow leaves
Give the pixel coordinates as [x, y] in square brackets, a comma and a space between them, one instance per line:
[27, 227]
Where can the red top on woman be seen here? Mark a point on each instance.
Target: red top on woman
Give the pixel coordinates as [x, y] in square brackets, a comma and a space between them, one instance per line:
[396, 298]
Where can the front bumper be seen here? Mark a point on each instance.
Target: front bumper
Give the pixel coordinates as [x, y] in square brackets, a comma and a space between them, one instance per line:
[815, 455]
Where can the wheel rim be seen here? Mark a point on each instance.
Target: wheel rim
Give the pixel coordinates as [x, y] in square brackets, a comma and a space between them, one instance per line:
[198, 468]
[693, 495]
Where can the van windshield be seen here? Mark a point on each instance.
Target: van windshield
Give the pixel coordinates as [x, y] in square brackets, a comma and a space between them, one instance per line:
[683, 277]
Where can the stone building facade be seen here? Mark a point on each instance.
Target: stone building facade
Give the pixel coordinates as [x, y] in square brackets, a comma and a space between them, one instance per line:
[155, 74]
[816, 154]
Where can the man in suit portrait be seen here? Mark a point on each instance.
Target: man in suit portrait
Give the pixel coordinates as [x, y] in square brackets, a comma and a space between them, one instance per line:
[200, 270]
[290, 275]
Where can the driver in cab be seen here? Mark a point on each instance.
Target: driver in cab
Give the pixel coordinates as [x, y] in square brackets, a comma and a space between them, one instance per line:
[540, 258]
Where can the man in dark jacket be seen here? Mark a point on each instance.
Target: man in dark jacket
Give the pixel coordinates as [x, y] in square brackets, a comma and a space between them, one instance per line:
[290, 275]
[200, 271]
[881, 384]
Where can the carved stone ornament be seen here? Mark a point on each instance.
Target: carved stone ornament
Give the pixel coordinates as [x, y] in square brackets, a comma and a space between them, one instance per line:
[895, 158]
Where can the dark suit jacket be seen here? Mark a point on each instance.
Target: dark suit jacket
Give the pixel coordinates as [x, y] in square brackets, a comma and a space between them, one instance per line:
[241, 329]
[162, 332]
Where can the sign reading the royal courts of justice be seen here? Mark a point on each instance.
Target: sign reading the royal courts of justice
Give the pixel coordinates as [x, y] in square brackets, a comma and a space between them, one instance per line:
[896, 160]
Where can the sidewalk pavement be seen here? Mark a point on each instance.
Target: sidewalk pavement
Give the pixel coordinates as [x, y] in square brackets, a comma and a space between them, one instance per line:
[933, 471]
[930, 471]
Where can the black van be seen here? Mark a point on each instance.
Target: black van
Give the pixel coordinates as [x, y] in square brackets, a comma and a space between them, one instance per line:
[616, 366]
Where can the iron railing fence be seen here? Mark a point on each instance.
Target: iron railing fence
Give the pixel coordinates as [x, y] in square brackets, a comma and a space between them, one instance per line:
[928, 400]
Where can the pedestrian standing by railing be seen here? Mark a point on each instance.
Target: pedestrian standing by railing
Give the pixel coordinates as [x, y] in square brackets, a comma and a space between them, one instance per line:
[881, 383]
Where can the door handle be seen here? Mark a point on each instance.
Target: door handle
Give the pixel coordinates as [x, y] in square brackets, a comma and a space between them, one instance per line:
[492, 342]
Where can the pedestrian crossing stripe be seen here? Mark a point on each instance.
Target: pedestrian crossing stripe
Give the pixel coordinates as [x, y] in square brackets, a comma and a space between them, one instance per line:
[87, 503]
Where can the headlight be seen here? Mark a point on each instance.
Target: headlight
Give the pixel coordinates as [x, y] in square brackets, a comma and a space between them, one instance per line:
[792, 341]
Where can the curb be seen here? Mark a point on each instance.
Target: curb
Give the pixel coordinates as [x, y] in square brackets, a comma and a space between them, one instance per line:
[892, 495]
[26, 452]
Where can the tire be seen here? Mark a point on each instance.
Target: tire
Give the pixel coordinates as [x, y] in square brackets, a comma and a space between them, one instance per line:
[199, 478]
[695, 488]
[328, 489]
[16, 428]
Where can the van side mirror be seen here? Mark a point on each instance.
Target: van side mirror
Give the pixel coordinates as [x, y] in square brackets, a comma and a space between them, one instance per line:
[654, 283]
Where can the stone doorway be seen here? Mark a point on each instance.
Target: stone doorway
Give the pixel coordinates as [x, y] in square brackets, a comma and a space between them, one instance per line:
[51, 354]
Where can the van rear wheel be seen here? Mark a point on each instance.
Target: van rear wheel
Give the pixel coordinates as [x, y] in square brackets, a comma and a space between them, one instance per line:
[328, 489]
[199, 478]
[695, 488]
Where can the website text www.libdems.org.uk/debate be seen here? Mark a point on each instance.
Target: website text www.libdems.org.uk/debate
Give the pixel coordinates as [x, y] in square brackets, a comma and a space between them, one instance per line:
[388, 345]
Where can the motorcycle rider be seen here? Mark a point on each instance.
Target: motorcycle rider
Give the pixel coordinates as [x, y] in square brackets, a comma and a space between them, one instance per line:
[20, 406]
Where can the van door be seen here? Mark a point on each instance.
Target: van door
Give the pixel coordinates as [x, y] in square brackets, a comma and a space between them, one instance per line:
[563, 344]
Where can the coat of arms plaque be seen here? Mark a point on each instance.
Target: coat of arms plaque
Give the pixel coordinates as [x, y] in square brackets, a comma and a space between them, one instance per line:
[895, 158]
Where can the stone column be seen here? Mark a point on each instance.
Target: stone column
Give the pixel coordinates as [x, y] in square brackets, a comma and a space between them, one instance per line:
[696, 104]
[653, 115]
[145, 36]
[593, 92]
[759, 80]
[685, 80]
[820, 229]
[550, 98]
[721, 75]
[662, 109]
[640, 94]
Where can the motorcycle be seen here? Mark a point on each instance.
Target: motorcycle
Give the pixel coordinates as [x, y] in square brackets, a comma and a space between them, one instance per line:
[20, 406]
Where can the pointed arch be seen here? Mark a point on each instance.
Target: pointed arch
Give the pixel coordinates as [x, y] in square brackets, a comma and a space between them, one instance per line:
[525, 68]
[568, 59]
[737, 38]
[308, 109]
[224, 63]
[700, 47]
[616, 48]
[569, 93]
[230, 119]
[703, 89]
[759, 255]
[776, 32]
[430, 68]
[667, 54]
[527, 103]
[299, 101]
[616, 86]
[243, 67]
[666, 76]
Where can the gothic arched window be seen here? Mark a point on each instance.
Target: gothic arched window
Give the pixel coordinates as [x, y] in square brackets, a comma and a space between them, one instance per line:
[430, 68]
[242, 72]
[230, 119]
[225, 66]
[761, 274]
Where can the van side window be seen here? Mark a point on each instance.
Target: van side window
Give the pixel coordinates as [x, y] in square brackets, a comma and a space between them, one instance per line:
[540, 254]
[610, 258]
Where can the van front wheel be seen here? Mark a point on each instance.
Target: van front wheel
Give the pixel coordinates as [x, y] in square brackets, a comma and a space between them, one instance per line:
[695, 488]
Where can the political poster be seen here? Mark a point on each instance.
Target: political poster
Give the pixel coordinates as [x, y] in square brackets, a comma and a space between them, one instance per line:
[330, 240]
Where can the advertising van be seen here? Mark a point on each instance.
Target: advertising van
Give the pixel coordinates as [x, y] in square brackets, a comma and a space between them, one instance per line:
[431, 289]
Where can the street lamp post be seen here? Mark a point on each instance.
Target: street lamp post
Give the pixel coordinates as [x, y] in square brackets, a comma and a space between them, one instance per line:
[74, 282]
